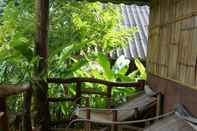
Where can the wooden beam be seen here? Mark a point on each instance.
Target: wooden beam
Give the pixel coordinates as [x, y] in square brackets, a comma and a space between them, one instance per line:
[41, 87]
[139, 84]
[8, 90]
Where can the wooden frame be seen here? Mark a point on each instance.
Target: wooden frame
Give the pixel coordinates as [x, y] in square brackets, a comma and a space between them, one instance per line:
[10, 90]
[79, 92]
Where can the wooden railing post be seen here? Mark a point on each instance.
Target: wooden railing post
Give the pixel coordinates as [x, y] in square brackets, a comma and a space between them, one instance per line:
[109, 97]
[159, 104]
[142, 83]
[27, 126]
[4, 118]
[115, 119]
[78, 93]
[88, 124]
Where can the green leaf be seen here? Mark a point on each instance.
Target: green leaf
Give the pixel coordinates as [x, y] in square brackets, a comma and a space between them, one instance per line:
[20, 44]
[105, 64]
[123, 70]
[75, 66]
[124, 78]
[133, 75]
[141, 68]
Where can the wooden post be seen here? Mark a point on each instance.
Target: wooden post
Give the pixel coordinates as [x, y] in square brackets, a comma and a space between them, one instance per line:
[109, 97]
[115, 119]
[4, 118]
[159, 104]
[41, 87]
[27, 126]
[78, 93]
[88, 117]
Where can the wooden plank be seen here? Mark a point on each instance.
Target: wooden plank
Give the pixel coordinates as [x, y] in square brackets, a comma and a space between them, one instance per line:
[8, 90]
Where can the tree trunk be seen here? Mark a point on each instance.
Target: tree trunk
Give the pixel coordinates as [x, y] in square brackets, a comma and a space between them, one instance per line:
[40, 74]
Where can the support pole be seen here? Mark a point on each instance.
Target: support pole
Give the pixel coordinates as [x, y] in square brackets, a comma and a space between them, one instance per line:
[27, 125]
[41, 87]
[4, 118]
[109, 97]
[115, 119]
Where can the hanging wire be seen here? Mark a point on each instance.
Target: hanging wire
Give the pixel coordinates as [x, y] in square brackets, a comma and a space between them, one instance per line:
[120, 123]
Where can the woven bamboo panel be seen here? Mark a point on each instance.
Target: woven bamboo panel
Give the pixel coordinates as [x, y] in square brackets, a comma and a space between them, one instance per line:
[172, 50]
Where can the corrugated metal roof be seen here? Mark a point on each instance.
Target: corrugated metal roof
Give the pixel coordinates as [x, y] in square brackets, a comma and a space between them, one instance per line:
[138, 16]
[128, 2]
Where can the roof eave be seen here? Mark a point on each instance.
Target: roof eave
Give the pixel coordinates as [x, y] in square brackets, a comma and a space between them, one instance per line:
[128, 2]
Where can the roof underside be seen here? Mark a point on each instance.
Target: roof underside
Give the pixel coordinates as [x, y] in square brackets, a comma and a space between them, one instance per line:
[129, 2]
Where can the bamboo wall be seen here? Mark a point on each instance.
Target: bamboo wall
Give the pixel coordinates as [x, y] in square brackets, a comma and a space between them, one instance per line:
[172, 51]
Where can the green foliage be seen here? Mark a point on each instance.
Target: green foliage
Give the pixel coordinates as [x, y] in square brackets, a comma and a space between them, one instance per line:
[80, 35]
[105, 64]
[141, 69]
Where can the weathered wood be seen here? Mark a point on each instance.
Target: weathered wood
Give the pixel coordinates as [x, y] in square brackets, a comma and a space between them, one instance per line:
[57, 122]
[78, 93]
[109, 97]
[8, 90]
[41, 88]
[61, 99]
[159, 105]
[115, 119]
[88, 117]
[98, 81]
[27, 125]
[125, 111]
[4, 118]
[93, 91]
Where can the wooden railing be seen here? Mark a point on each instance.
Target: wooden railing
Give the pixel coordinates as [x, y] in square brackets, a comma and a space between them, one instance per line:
[110, 85]
[10, 90]
[79, 91]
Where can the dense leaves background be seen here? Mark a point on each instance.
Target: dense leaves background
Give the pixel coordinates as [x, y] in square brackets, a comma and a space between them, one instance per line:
[81, 34]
